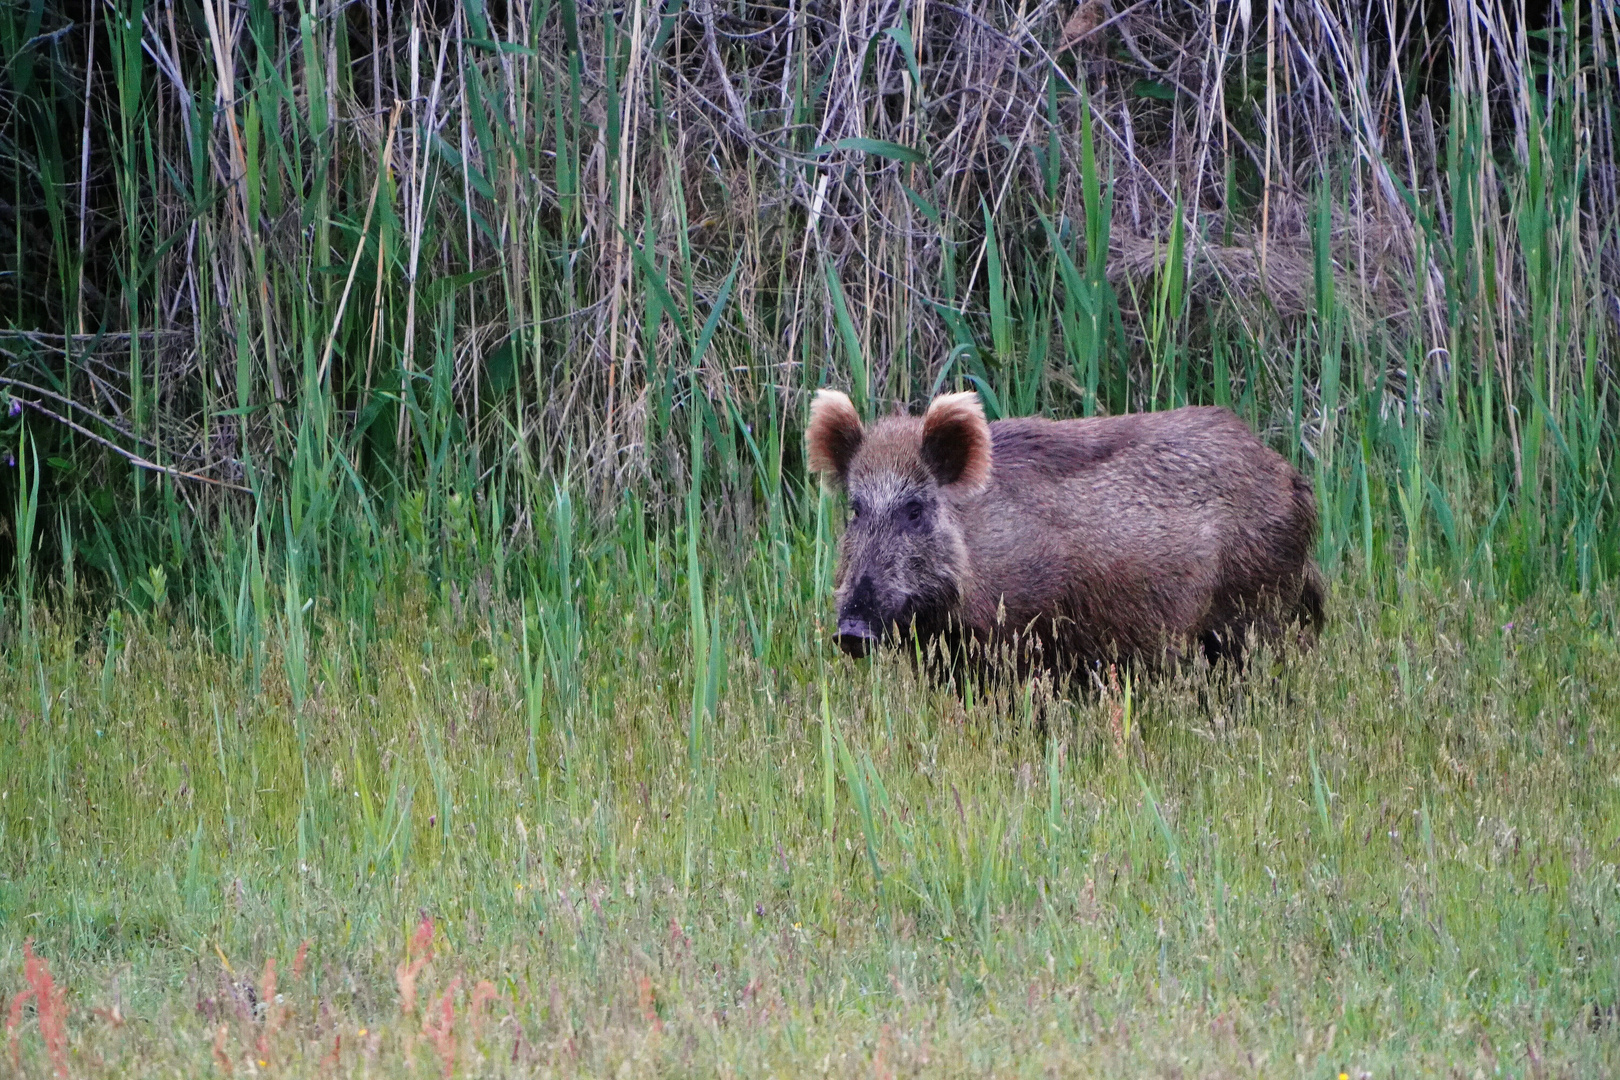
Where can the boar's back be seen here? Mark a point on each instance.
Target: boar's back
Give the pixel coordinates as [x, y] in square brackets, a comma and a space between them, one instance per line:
[1134, 529]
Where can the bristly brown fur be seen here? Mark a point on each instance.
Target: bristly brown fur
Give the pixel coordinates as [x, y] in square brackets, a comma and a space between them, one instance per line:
[956, 442]
[834, 434]
[1147, 538]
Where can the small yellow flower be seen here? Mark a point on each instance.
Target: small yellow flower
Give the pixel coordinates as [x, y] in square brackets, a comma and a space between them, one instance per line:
[1344, 1076]
[263, 1064]
[362, 1033]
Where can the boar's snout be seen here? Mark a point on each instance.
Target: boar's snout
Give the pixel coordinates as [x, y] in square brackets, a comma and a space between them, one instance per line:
[855, 636]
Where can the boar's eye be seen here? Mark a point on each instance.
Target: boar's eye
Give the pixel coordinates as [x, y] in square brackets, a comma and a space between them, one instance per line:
[913, 512]
[855, 508]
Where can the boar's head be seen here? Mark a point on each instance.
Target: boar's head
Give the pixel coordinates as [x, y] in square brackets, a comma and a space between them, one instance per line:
[903, 562]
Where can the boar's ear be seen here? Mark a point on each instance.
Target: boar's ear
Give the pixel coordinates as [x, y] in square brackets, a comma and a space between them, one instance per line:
[956, 442]
[834, 435]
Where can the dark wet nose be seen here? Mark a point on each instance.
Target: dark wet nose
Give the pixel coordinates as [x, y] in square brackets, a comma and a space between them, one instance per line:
[855, 636]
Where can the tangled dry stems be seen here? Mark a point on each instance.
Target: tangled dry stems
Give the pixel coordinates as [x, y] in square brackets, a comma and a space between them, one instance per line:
[717, 140]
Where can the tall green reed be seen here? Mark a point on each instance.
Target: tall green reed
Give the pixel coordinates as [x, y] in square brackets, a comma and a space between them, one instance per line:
[449, 296]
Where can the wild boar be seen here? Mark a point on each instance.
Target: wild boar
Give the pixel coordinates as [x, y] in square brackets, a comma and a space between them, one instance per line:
[1136, 538]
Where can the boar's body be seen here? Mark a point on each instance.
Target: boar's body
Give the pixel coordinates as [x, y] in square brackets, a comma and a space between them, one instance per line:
[1138, 538]
[1136, 534]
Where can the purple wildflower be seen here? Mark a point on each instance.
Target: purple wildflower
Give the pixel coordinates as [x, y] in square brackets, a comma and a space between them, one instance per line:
[16, 407]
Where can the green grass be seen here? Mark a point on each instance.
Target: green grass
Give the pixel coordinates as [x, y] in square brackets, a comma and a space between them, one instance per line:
[1394, 855]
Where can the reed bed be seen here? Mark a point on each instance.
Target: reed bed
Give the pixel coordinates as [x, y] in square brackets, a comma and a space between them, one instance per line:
[297, 265]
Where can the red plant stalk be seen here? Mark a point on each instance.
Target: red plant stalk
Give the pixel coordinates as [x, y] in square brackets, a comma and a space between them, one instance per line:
[406, 972]
[49, 1006]
[272, 1014]
[443, 1032]
[649, 1011]
[330, 1061]
[13, 1018]
[482, 995]
[221, 1058]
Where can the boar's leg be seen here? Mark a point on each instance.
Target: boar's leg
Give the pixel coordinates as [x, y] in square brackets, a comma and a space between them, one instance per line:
[1223, 644]
[1311, 614]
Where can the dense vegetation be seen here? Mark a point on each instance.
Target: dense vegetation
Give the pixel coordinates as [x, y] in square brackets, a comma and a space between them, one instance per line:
[406, 520]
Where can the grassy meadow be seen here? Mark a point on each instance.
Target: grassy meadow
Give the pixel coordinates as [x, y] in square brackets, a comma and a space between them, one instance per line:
[1394, 857]
[413, 608]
